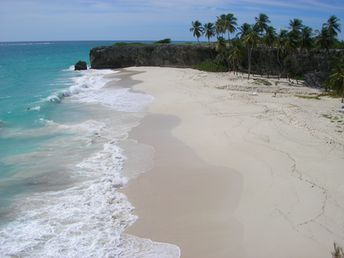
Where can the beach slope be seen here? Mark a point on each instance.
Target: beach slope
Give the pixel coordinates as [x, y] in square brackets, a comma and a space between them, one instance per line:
[240, 169]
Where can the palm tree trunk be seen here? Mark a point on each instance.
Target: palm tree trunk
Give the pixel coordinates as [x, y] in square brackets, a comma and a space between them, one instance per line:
[249, 61]
[279, 62]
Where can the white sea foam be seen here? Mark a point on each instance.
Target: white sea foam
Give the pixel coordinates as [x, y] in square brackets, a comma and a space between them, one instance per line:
[119, 99]
[146, 248]
[86, 82]
[87, 219]
[90, 88]
[83, 221]
[35, 108]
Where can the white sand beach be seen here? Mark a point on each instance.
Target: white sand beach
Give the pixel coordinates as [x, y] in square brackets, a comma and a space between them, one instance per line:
[239, 171]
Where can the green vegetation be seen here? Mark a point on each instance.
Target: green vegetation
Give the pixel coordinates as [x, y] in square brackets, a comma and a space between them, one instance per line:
[336, 80]
[197, 29]
[335, 119]
[299, 36]
[236, 45]
[338, 251]
[124, 44]
[211, 66]
[262, 82]
[317, 97]
[209, 30]
[163, 41]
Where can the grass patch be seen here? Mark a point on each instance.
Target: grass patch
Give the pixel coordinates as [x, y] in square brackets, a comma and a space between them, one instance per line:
[331, 94]
[327, 116]
[298, 77]
[210, 66]
[262, 82]
[125, 44]
[317, 97]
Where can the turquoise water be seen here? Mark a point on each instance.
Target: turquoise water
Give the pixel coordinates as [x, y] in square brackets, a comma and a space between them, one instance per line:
[29, 73]
[61, 156]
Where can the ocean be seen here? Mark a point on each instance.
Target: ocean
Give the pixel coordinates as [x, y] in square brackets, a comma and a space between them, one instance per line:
[61, 155]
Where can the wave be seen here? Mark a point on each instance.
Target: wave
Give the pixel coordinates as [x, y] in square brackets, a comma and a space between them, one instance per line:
[83, 221]
[86, 81]
[87, 219]
[90, 87]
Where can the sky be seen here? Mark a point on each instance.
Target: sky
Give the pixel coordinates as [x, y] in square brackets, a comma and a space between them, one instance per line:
[48, 20]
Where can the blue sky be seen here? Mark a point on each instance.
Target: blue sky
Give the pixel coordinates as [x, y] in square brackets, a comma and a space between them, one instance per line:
[29, 20]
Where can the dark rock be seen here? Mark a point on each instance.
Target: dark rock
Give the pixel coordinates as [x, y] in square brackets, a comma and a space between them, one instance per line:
[81, 65]
[150, 55]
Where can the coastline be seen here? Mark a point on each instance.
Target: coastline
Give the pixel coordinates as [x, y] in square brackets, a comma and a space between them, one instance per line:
[172, 200]
[236, 174]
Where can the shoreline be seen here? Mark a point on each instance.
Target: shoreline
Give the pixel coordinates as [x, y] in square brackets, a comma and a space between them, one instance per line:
[175, 205]
[268, 193]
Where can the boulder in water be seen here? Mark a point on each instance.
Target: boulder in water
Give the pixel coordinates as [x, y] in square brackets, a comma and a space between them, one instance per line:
[81, 65]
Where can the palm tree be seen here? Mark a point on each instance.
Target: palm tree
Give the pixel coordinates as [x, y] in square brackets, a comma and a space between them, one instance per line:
[269, 40]
[333, 26]
[209, 30]
[296, 25]
[270, 36]
[221, 25]
[250, 39]
[231, 23]
[329, 32]
[324, 39]
[221, 45]
[281, 42]
[244, 30]
[262, 23]
[306, 37]
[294, 35]
[336, 79]
[235, 55]
[197, 29]
[221, 48]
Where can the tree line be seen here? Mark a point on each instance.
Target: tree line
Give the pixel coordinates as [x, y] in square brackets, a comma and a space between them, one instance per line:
[298, 37]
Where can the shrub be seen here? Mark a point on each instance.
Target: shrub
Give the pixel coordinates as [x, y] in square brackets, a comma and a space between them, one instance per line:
[163, 41]
[338, 251]
[211, 66]
[123, 44]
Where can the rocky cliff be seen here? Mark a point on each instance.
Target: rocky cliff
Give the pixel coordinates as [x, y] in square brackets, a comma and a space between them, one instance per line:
[150, 55]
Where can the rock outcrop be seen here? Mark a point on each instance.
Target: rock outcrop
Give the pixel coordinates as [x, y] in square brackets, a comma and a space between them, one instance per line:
[80, 65]
[313, 66]
[150, 55]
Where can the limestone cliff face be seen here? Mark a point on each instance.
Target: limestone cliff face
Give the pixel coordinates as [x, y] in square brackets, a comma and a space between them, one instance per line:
[150, 55]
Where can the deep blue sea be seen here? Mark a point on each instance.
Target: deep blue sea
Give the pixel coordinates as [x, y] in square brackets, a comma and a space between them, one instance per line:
[61, 158]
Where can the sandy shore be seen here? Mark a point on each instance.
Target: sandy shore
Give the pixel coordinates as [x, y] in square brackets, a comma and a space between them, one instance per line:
[238, 172]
